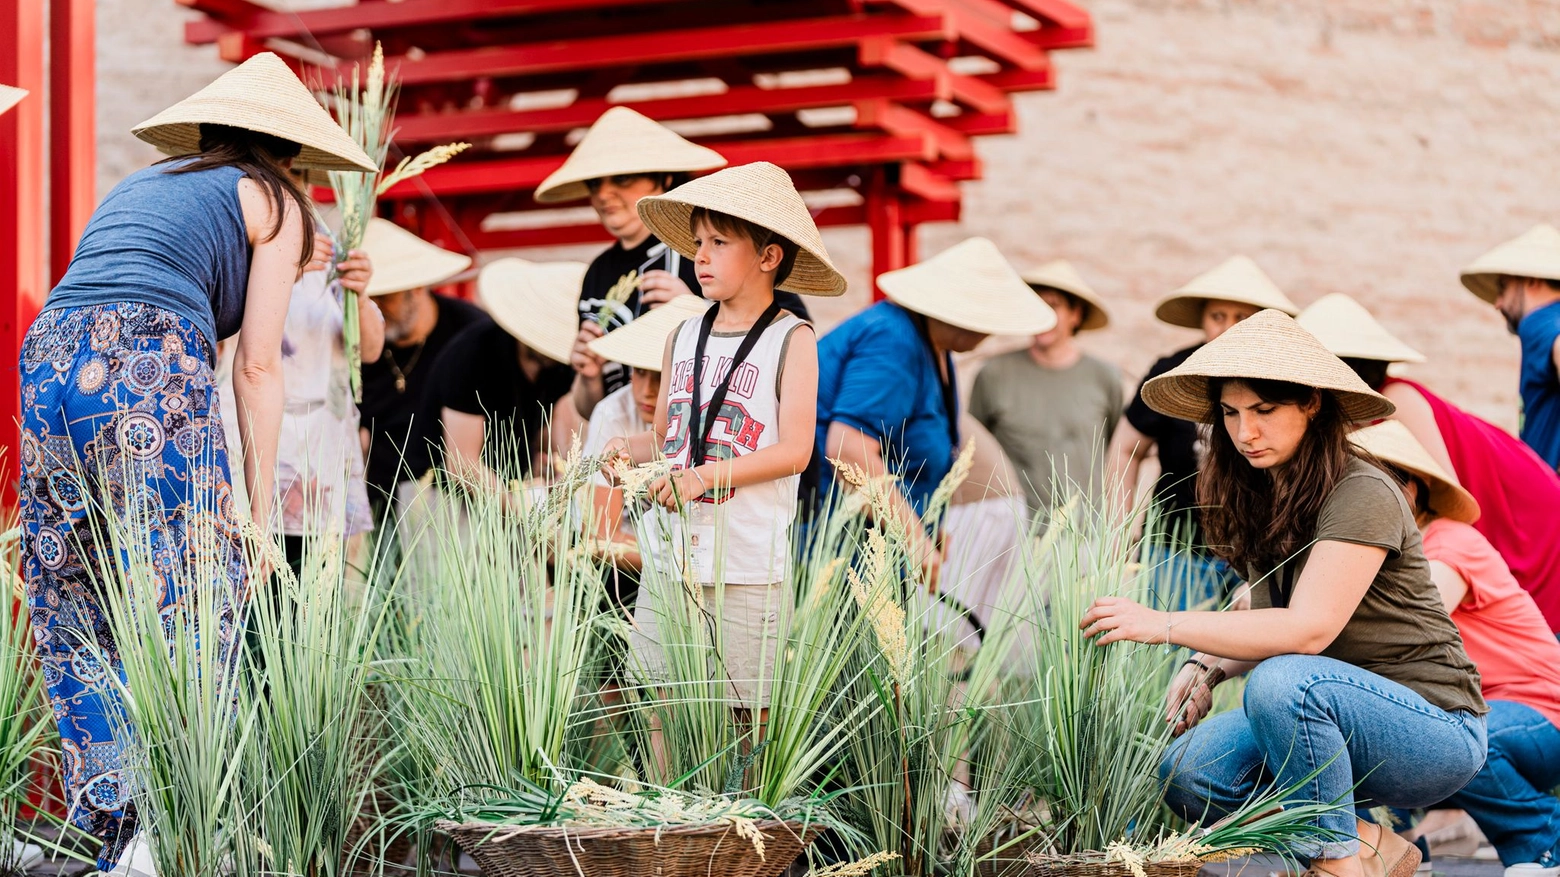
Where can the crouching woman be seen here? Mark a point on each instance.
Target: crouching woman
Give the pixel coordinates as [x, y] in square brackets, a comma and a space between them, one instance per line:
[1358, 689]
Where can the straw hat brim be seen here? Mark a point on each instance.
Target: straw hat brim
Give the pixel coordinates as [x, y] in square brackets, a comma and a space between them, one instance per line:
[1350, 331]
[262, 94]
[624, 142]
[1392, 443]
[536, 302]
[761, 194]
[1535, 254]
[10, 96]
[1186, 309]
[1097, 317]
[1268, 346]
[405, 261]
[1236, 279]
[641, 344]
[971, 286]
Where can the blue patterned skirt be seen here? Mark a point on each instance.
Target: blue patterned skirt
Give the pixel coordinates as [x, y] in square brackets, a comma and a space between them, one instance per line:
[119, 412]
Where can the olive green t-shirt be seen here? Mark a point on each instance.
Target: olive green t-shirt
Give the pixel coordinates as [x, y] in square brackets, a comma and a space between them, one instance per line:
[1400, 630]
[1053, 423]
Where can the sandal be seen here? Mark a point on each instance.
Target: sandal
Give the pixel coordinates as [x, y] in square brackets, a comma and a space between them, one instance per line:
[1398, 856]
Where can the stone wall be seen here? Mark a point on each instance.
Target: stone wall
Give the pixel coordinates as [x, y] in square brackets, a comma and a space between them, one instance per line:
[1362, 146]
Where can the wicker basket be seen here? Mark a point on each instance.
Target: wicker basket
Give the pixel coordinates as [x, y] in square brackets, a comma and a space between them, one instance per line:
[673, 851]
[1093, 864]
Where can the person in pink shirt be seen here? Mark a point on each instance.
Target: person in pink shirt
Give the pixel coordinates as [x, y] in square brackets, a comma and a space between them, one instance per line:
[1518, 492]
[1511, 644]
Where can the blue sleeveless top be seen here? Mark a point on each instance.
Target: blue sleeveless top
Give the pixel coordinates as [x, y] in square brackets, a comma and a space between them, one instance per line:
[176, 241]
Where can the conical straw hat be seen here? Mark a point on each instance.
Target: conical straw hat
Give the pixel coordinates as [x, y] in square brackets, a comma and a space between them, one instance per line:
[970, 285]
[261, 94]
[624, 142]
[1350, 332]
[1237, 279]
[1535, 254]
[1391, 442]
[10, 96]
[1268, 346]
[642, 343]
[1060, 274]
[536, 302]
[762, 194]
[405, 261]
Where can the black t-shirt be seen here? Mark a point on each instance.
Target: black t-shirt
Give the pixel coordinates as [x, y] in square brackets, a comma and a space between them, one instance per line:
[1179, 452]
[651, 255]
[396, 418]
[480, 374]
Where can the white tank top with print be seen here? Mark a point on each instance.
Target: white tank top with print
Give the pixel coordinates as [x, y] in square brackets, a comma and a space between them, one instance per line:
[744, 536]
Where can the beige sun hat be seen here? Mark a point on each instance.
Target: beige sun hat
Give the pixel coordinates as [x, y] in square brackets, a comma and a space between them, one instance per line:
[1270, 345]
[536, 302]
[622, 141]
[641, 344]
[1391, 442]
[10, 96]
[1534, 254]
[1237, 279]
[1350, 332]
[405, 261]
[261, 94]
[1060, 274]
[970, 285]
[762, 194]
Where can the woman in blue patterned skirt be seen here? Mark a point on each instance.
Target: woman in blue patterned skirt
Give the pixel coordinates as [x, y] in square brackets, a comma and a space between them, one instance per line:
[119, 411]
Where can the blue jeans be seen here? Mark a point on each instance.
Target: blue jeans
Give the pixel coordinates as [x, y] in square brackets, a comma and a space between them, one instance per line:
[1366, 738]
[1186, 579]
[1510, 798]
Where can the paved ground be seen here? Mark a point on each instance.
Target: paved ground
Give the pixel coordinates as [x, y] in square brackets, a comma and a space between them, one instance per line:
[1444, 866]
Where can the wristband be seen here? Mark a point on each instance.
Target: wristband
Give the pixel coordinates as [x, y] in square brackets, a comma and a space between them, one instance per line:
[1215, 674]
[703, 487]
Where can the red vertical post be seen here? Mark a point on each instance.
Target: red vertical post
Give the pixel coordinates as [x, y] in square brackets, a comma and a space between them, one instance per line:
[885, 219]
[72, 128]
[22, 277]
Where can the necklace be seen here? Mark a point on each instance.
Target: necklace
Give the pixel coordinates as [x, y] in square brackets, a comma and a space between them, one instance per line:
[400, 376]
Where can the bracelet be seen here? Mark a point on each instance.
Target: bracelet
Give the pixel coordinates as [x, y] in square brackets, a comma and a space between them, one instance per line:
[1215, 674]
[704, 488]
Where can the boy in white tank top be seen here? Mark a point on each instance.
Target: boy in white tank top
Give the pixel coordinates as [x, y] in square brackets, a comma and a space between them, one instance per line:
[736, 415]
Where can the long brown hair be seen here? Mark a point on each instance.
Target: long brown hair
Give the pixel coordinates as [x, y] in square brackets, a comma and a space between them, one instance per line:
[1256, 518]
[260, 157]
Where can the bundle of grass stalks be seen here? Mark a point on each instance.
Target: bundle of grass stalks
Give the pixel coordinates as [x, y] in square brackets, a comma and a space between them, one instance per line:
[366, 111]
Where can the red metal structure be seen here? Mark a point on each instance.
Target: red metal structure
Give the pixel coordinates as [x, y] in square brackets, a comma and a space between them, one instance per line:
[874, 102]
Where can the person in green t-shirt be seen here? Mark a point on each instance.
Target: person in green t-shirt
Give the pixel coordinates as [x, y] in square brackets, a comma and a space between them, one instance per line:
[1358, 688]
[1052, 407]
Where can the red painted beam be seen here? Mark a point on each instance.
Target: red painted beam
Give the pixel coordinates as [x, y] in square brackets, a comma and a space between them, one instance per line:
[379, 16]
[1021, 80]
[564, 235]
[917, 180]
[666, 47]
[907, 60]
[521, 174]
[238, 11]
[431, 127]
[904, 122]
[22, 269]
[72, 128]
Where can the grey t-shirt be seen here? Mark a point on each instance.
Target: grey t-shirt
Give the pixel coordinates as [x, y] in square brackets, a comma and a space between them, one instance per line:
[1050, 420]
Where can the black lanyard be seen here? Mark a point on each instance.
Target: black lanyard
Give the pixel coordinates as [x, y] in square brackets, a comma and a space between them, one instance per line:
[950, 397]
[698, 427]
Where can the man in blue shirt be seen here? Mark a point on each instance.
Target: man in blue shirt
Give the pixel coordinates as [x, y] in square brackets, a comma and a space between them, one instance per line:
[1522, 279]
[887, 390]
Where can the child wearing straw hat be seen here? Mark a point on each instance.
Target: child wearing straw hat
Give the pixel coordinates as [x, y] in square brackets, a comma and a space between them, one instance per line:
[1522, 279]
[624, 157]
[735, 416]
[1212, 302]
[1052, 407]
[1519, 492]
[419, 326]
[1510, 642]
[117, 378]
[1358, 687]
[888, 398]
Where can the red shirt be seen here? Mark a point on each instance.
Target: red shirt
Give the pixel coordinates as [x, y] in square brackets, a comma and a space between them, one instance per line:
[1505, 634]
[1518, 494]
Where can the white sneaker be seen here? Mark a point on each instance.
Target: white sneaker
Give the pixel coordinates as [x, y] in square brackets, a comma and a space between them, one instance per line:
[136, 861]
[1532, 869]
[26, 856]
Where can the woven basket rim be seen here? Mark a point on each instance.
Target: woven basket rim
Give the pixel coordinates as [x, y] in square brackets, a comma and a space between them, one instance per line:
[694, 828]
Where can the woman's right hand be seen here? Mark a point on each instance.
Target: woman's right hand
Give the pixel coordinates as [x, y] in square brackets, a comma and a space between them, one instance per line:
[1190, 698]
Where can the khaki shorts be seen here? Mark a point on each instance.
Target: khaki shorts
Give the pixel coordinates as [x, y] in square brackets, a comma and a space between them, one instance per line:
[753, 620]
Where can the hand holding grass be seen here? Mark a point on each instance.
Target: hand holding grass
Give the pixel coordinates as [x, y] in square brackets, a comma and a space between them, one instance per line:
[1190, 698]
[1113, 619]
[678, 487]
